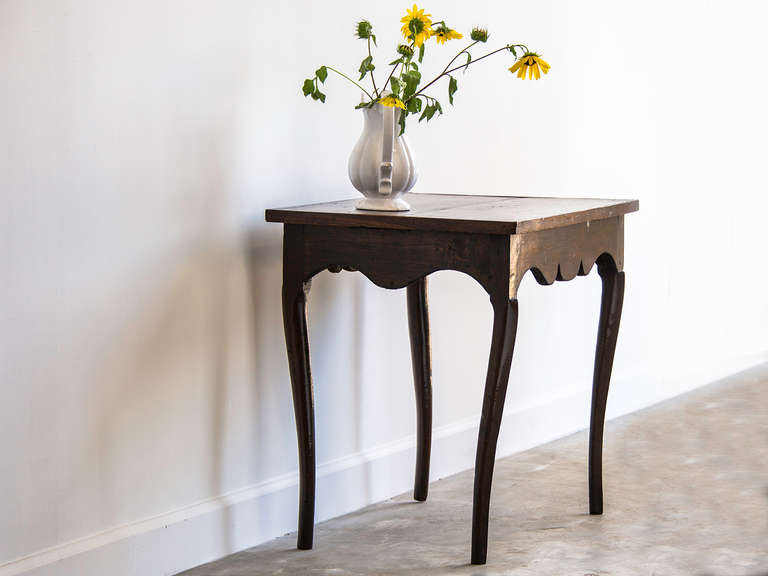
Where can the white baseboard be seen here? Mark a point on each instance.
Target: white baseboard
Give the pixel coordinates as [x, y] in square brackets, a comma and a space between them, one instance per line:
[213, 528]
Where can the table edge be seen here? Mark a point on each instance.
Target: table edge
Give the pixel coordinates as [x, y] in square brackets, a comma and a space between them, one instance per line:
[393, 222]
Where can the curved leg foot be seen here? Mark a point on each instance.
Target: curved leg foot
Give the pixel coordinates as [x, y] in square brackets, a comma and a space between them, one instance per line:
[295, 291]
[607, 332]
[502, 347]
[418, 327]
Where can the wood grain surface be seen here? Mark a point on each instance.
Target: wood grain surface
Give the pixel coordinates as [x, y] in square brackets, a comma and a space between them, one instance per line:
[461, 213]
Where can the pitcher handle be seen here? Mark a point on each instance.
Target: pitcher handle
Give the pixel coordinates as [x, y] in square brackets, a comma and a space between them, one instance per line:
[388, 144]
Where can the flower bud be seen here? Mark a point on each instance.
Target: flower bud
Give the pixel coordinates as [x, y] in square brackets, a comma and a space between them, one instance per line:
[364, 29]
[479, 34]
[404, 50]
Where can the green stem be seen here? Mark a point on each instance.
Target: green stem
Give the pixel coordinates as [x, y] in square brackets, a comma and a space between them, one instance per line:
[459, 54]
[373, 80]
[390, 75]
[507, 47]
[393, 72]
[446, 71]
[350, 79]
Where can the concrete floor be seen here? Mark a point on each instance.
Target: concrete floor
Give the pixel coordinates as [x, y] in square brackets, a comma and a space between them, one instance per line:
[686, 493]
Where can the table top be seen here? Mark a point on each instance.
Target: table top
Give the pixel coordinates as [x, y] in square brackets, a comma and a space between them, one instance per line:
[460, 213]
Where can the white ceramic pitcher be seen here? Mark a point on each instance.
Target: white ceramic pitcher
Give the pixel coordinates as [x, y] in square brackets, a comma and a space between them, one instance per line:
[381, 165]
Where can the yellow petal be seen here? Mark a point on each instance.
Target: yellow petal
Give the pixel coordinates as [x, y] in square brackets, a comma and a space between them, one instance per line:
[521, 72]
[516, 65]
[544, 65]
[536, 71]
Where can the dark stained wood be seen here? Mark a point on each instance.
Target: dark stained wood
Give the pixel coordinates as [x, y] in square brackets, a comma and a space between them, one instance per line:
[611, 304]
[421, 358]
[495, 240]
[564, 253]
[499, 362]
[391, 259]
[461, 213]
[295, 290]
[396, 258]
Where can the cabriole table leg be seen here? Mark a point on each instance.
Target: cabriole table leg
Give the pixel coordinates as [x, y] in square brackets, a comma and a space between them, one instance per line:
[499, 363]
[607, 333]
[295, 291]
[418, 328]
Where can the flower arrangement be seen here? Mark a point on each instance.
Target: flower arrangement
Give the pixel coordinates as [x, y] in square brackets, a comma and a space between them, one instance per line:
[404, 82]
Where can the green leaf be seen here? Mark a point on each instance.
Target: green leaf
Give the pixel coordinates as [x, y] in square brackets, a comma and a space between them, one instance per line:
[414, 65]
[401, 121]
[413, 105]
[430, 111]
[322, 73]
[366, 66]
[398, 61]
[411, 79]
[453, 85]
[308, 87]
[395, 84]
[512, 49]
[373, 37]
[469, 59]
[421, 53]
[314, 95]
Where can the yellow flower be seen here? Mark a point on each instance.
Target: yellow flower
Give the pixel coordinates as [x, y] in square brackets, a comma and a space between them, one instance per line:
[392, 102]
[532, 64]
[442, 34]
[417, 26]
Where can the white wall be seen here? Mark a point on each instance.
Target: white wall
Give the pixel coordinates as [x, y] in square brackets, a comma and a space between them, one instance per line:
[145, 413]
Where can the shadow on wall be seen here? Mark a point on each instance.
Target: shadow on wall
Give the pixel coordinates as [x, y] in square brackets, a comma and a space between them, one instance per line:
[194, 401]
[192, 397]
[151, 365]
[171, 385]
[197, 399]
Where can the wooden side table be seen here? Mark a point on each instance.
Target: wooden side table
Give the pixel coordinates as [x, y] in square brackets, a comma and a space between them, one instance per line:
[496, 240]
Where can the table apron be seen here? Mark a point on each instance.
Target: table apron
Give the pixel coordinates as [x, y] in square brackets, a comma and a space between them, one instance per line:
[564, 253]
[396, 258]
